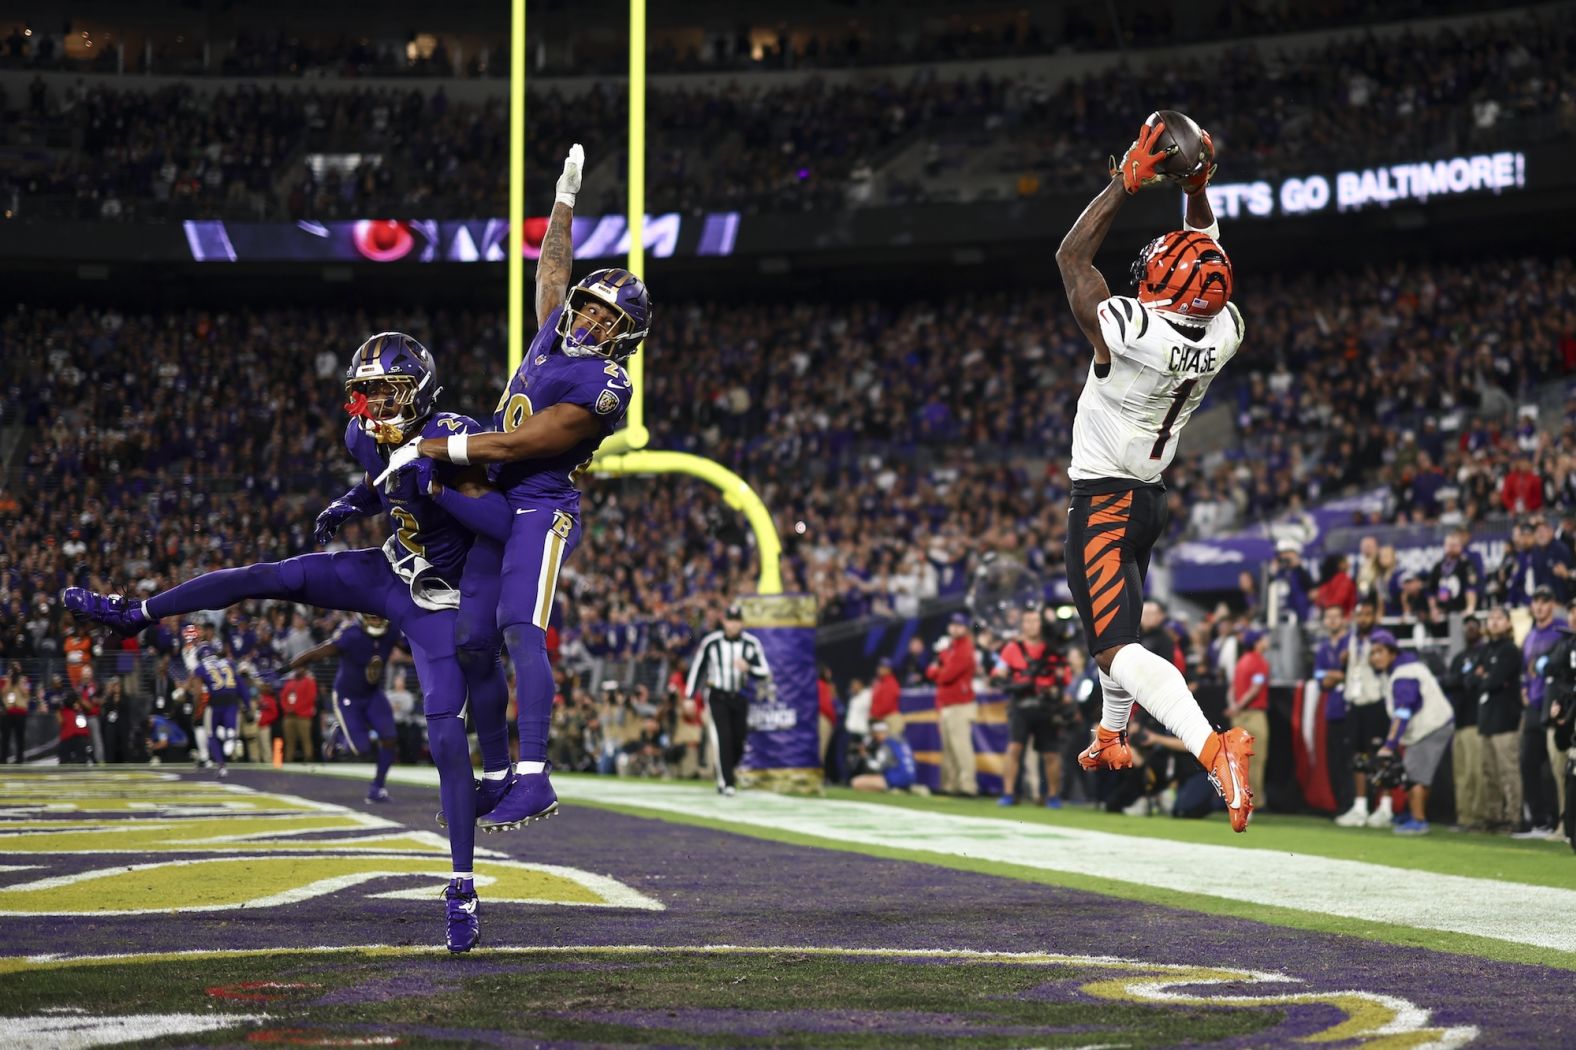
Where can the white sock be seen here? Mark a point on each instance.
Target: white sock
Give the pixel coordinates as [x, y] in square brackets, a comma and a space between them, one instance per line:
[461, 875]
[1116, 704]
[1361, 803]
[495, 774]
[1158, 686]
[527, 768]
[1384, 803]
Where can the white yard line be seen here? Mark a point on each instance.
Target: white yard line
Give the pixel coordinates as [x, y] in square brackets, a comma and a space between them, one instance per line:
[1504, 911]
[1514, 912]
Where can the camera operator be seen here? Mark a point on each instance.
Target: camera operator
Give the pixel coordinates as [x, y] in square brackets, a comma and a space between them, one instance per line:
[1039, 707]
[886, 763]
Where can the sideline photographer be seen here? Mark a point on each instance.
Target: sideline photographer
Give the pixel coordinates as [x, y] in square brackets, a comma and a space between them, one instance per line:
[1034, 674]
[886, 763]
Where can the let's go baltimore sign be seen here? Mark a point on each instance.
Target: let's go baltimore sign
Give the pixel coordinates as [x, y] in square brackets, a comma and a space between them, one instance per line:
[1371, 187]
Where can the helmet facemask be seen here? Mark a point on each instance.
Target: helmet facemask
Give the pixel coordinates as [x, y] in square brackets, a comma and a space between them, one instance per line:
[385, 405]
[590, 326]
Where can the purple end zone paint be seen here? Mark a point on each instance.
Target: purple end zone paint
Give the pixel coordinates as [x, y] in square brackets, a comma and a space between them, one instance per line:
[725, 888]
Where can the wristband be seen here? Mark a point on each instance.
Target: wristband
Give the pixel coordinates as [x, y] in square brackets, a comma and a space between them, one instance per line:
[1212, 231]
[457, 450]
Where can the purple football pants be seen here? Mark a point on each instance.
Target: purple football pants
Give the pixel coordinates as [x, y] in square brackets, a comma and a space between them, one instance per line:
[477, 641]
[222, 715]
[362, 581]
[361, 716]
[539, 542]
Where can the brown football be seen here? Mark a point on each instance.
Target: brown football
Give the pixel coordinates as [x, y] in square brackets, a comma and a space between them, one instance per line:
[1186, 136]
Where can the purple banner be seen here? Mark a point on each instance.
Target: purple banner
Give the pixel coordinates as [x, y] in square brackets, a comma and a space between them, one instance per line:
[1215, 563]
[447, 240]
[784, 730]
[923, 733]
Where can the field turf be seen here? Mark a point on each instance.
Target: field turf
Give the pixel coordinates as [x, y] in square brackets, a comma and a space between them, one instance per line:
[165, 909]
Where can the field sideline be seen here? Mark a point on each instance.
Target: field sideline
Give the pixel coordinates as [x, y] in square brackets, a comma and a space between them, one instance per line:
[173, 910]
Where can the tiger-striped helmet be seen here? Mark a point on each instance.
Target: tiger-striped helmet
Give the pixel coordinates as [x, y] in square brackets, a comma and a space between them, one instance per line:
[1184, 272]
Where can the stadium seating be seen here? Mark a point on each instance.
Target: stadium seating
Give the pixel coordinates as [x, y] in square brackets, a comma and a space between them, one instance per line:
[958, 131]
[221, 435]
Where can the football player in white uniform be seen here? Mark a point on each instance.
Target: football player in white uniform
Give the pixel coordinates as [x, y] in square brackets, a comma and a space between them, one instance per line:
[1154, 357]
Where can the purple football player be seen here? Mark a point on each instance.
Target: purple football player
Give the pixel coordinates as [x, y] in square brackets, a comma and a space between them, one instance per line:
[214, 677]
[449, 526]
[361, 708]
[569, 392]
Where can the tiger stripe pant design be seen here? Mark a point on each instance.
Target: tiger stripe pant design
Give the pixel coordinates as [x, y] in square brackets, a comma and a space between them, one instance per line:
[1109, 539]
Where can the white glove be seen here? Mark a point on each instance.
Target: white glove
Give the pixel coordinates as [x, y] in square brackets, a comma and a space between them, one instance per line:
[401, 458]
[569, 181]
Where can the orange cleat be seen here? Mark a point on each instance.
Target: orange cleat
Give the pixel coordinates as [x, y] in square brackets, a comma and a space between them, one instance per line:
[1109, 751]
[1228, 771]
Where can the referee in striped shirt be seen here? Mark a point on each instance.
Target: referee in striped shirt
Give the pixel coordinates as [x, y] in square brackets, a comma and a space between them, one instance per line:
[724, 663]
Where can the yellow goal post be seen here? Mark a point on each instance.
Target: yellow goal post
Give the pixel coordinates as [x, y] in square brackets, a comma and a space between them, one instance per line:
[623, 453]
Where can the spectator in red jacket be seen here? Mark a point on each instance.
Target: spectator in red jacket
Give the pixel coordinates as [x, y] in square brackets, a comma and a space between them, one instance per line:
[74, 732]
[826, 697]
[267, 725]
[953, 672]
[1337, 588]
[298, 704]
[884, 695]
[1250, 701]
[16, 696]
[88, 690]
[1523, 488]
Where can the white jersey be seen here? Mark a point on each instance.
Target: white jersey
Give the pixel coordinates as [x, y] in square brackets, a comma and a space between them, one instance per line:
[1128, 423]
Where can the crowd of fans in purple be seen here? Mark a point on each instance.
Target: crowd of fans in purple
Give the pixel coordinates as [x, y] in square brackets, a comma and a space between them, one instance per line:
[108, 151]
[171, 470]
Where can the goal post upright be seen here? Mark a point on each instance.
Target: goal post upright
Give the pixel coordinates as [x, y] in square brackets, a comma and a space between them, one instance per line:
[623, 453]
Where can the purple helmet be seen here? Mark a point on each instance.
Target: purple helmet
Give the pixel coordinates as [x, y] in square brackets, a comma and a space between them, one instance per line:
[616, 337]
[392, 385]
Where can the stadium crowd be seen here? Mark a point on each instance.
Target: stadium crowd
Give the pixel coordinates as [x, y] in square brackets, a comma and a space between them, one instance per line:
[176, 468]
[807, 145]
[877, 398]
[925, 38]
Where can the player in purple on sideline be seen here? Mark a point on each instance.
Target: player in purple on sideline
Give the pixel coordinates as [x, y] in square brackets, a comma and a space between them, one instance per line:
[443, 518]
[569, 392]
[224, 691]
[361, 708]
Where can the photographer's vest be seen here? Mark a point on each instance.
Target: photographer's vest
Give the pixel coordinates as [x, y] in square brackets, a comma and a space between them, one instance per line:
[1435, 711]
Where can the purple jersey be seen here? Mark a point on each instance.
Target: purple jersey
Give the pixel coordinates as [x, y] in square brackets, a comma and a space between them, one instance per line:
[362, 659]
[429, 546]
[547, 376]
[218, 676]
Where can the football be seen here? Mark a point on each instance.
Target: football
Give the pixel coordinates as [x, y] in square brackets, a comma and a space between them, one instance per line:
[1188, 138]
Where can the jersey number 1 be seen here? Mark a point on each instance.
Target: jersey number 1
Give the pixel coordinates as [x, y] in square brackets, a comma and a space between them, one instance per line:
[1183, 390]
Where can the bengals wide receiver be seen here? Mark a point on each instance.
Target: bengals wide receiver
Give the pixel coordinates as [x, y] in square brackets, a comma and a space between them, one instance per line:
[1155, 355]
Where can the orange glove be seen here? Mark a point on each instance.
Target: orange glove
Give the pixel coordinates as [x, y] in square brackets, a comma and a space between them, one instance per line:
[1205, 170]
[1140, 165]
